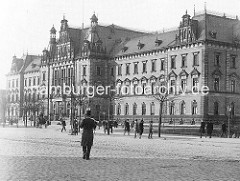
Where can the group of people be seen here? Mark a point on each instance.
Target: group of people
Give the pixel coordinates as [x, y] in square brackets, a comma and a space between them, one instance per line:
[138, 128]
[75, 126]
[209, 129]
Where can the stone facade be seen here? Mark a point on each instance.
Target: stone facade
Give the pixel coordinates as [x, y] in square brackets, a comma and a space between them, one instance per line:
[202, 52]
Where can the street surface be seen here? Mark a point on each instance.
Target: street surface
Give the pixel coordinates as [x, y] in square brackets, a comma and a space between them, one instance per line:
[47, 154]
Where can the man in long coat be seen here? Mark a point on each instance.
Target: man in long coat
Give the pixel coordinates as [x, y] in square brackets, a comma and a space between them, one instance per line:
[88, 125]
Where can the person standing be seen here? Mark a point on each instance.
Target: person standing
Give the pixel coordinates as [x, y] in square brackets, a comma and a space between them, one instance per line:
[224, 130]
[202, 129]
[150, 129]
[88, 125]
[127, 127]
[136, 124]
[63, 124]
[141, 128]
[209, 129]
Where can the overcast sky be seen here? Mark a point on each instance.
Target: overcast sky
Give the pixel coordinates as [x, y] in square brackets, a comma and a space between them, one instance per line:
[26, 23]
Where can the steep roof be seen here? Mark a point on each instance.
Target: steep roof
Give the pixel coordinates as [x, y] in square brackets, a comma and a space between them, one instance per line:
[221, 26]
[34, 65]
[146, 43]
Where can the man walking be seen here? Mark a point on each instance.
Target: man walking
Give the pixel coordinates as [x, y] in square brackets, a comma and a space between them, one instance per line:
[150, 129]
[88, 125]
[63, 124]
[141, 128]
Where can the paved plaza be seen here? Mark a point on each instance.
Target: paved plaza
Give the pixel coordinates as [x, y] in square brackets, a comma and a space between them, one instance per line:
[47, 154]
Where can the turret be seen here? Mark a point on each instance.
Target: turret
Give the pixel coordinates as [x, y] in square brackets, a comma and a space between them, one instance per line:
[53, 35]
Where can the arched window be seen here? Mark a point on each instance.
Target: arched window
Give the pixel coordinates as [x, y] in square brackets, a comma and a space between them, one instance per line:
[143, 109]
[118, 109]
[134, 108]
[152, 108]
[216, 108]
[194, 107]
[172, 108]
[182, 107]
[126, 109]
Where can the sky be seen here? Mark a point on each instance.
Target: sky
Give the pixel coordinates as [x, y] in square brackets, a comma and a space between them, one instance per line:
[26, 23]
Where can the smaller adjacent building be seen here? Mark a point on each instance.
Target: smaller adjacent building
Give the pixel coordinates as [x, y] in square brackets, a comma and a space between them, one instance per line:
[3, 101]
[24, 73]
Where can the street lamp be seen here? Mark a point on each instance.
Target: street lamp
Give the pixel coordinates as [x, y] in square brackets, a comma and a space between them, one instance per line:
[229, 108]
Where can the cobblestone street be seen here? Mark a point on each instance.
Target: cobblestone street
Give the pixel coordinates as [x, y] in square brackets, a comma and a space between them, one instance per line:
[48, 154]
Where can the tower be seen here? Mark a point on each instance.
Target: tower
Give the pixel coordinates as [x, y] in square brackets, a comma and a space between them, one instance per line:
[52, 36]
[187, 29]
[63, 34]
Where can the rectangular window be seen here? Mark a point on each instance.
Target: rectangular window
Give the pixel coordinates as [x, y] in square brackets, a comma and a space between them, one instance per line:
[120, 69]
[216, 84]
[136, 68]
[195, 84]
[195, 59]
[16, 82]
[233, 61]
[29, 82]
[84, 70]
[127, 69]
[183, 84]
[38, 81]
[144, 67]
[162, 64]
[98, 70]
[172, 86]
[44, 76]
[12, 83]
[153, 65]
[184, 60]
[173, 62]
[217, 59]
[25, 82]
[112, 71]
[34, 81]
[233, 85]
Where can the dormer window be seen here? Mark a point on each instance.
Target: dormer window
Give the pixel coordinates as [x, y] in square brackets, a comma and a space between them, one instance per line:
[213, 34]
[140, 45]
[124, 49]
[158, 42]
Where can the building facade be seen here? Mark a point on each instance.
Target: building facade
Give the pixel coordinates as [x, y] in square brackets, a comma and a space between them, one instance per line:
[200, 60]
[19, 87]
[197, 63]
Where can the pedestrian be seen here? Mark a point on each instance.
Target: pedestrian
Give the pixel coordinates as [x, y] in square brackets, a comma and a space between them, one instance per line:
[136, 124]
[224, 130]
[209, 129]
[150, 129]
[236, 131]
[202, 128]
[75, 127]
[127, 127]
[141, 127]
[88, 125]
[63, 122]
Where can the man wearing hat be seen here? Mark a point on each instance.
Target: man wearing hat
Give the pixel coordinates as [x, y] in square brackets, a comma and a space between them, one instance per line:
[88, 125]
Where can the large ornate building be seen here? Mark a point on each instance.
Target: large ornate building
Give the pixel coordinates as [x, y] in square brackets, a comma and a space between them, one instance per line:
[203, 52]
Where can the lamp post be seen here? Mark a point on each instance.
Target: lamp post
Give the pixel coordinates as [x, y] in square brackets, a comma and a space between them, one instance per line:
[229, 117]
[229, 108]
